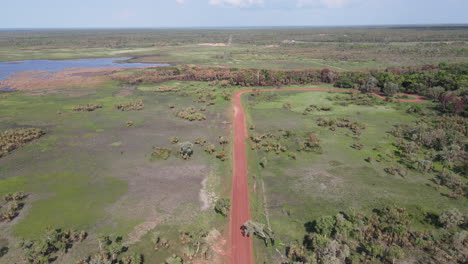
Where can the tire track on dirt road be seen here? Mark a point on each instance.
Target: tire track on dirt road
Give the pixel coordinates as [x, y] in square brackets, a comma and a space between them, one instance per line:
[240, 247]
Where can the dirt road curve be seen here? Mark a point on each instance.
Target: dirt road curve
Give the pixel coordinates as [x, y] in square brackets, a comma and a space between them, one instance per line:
[240, 247]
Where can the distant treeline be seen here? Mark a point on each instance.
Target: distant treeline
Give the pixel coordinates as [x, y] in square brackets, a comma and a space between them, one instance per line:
[126, 38]
[447, 83]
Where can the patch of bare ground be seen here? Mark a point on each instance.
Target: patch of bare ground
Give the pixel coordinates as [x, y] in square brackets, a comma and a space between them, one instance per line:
[317, 179]
[214, 44]
[157, 191]
[69, 77]
[126, 91]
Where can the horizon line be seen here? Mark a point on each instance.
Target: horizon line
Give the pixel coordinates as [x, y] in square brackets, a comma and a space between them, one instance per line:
[241, 27]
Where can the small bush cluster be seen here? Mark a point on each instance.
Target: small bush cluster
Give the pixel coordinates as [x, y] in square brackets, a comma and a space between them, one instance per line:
[222, 206]
[47, 249]
[312, 108]
[131, 105]
[454, 182]
[112, 251]
[159, 242]
[197, 245]
[86, 107]
[15, 138]
[165, 89]
[13, 205]
[190, 114]
[355, 98]
[161, 153]
[355, 126]
[396, 170]
[268, 142]
[186, 150]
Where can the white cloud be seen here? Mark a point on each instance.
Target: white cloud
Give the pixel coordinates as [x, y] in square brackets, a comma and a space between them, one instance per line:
[123, 15]
[281, 3]
[326, 3]
[237, 3]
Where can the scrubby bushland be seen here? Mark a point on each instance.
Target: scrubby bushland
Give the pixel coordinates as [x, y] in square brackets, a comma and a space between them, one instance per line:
[54, 243]
[197, 246]
[15, 138]
[131, 105]
[86, 107]
[112, 251]
[436, 144]
[386, 235]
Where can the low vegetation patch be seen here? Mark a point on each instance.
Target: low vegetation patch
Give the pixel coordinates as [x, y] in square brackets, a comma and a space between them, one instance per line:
[161, 153]
[112, 251]
[190, 114]
[332, 123]
[15, 138]
[86, 107]
[131, 105]
[13, 203]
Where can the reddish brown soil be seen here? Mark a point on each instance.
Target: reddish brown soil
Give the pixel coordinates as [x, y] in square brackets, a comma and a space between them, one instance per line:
[240, 247]
[70, 77]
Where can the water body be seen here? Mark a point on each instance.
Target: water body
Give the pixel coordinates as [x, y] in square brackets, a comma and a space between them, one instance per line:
[8, 68]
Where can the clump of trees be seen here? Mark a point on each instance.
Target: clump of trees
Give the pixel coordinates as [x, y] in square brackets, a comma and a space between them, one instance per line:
[15, 138]
[252, 228]
[87, 107]
[190, 114]
[186, 150]
[46, 249]
[436, 144]
[13, 203]
[223, 206]
[131, 105]
[385, 235]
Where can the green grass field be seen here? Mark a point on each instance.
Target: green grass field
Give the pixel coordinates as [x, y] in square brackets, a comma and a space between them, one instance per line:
[300, 191]
[93, 172]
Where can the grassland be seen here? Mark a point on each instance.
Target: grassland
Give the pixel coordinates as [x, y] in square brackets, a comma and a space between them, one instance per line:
[299, 191]
[93, 171]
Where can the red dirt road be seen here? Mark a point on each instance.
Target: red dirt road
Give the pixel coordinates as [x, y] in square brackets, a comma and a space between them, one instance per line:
[240, 247]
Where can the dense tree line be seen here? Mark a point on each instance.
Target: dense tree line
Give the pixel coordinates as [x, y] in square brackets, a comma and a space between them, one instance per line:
[445, 83]
[386, 235]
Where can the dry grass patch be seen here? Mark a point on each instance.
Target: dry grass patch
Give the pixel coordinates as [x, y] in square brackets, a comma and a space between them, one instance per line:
[14, 138]
[190, 114]
[131, 105]
[86, 107]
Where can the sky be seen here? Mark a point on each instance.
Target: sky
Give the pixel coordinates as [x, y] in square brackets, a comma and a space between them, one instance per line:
[227, 13]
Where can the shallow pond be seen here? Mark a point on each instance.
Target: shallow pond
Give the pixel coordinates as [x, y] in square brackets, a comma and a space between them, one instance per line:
[8, 68]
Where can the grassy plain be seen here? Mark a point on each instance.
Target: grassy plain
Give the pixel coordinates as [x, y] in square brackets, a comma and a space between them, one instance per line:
[338, 179]
[340, 49]
[94, 172]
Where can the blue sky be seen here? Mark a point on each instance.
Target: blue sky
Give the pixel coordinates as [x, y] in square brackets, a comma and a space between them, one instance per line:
[221, 13]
